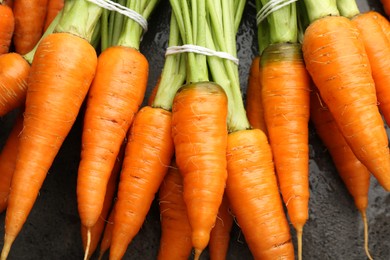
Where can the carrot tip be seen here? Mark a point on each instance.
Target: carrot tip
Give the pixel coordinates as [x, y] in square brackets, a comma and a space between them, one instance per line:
[7, 246]
[86, 254]
[299, 240]
[198, 252]
[365, 223]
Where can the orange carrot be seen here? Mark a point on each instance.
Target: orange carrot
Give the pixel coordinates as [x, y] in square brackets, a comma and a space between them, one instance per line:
[175, 241]
[107, 235]
[140, 179]
[14, 70]
[97, 229]
[254, 106]
[353, 173]
[8, 161]
[57, 85]
[53, 8]
[7, 25]
[148, 154]
[29, 21]
[200, 136]
[115, 96]
[220, 234]
[333, 61]
[254, 196]
[285, 96]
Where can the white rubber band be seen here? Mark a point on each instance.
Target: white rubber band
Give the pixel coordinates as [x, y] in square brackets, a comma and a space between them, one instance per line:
[200, 50]
[270, 7]
[112, 6]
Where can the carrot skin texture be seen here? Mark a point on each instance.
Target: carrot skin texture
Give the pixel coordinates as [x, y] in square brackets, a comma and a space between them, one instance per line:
[254, 197]
[147, 156]
[351, 99]
[353, 173]
[377, 47]
[54, 98]
[175, 241]
[114, 98]
[220, 234]
[254, 106]
[53, 8]
[29, 20]
[14, 70]
[8, 157]
[98, 228]
[199, 132]
[7, 26]
[286, 101]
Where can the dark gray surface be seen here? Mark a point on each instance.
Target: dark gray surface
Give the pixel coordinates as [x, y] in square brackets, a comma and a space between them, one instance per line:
[334, 230]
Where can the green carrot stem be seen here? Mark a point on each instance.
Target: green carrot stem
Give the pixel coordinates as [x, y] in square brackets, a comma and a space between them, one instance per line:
[318, 9]
[173, 74]
[118, 20]
[303, 20]
[283, 24]
[183, 11]
[79, 18]
[132, 31]
[348, 8]
[239, 7]
[221, 32]
[262, 30]
[30, 55]
[96, 36]
[104, 39]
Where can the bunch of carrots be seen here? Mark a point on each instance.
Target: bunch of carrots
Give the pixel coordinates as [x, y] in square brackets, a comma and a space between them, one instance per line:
[204, 154]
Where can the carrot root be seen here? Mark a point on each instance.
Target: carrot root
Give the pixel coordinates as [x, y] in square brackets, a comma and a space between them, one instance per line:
[88, 244]
[8, 241]
[365, 223]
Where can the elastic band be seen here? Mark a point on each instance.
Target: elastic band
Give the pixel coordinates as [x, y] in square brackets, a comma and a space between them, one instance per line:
[200, 50]
[112, 6]
[270, 7]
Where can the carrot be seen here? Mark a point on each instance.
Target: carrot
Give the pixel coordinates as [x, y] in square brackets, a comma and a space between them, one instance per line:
[10, 3]
[29, 21]
[53, 8]
[97, 229]
[286, 101]
[58, 83]
[354, 174]
[7, 25]
[377, 46]
[254, 196]
[8, 161]
[105, 242]
[14, 70]
[175, 241]
[333, 61]
[114, 98]
[254, 106]
[251, 185]
[199, 129]
[148, 154]
[220, 234]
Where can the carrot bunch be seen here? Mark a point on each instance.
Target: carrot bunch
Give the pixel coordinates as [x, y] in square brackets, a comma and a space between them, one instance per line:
[334, 54]
[148, 155]
[251, 186]
[58, 82]
[114, 98]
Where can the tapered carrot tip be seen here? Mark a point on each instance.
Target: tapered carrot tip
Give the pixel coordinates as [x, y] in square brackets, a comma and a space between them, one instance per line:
[364, 217]
[198, 252]
[8, 240]
[88, 244]
[299, 230]
[200, 240]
